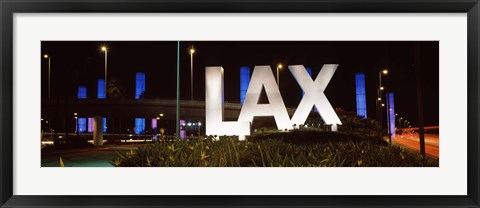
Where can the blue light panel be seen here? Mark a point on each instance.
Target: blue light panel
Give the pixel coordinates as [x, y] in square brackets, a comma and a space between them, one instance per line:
[361, 97]
[139, 84]
[104, 121]
[139, 125]
[82, 92]
[82, 125]
[244, 81]
[391, 113]
[101, 93]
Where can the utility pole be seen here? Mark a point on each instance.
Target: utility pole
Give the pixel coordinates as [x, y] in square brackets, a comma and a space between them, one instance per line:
[177, 129]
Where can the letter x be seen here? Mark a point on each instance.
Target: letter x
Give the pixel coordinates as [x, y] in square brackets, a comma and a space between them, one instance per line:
[314, 95]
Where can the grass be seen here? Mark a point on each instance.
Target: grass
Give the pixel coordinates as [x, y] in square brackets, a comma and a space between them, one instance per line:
[301, 148]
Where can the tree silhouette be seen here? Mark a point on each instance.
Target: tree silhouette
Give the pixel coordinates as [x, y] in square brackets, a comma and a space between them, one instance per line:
[115, 88]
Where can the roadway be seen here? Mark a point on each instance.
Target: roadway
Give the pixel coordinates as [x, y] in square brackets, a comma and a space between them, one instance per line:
[84, 157]
[410, 139]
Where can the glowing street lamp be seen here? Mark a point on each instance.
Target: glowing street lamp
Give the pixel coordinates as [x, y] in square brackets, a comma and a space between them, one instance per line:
[191, 51]
[104, 49]
[279, 66]
[46, 56]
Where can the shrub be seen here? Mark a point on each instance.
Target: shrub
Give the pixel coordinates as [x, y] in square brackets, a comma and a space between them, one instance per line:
[312, 136]
[229, 152]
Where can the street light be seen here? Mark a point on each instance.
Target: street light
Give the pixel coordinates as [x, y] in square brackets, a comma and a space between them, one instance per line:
[104, 49]
[400, 122]
[379, 96]
[76, 124]
[279, 66]
[191, 51]
[158, 117]
[46, 56]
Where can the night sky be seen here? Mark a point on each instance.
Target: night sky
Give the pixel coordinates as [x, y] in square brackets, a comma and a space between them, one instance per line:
[76, 63]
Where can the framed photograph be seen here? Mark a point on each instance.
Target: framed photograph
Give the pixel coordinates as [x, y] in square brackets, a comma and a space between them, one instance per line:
[247, 104]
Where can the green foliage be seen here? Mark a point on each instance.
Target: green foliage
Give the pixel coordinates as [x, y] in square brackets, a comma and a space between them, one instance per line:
[313, 136]
[264, 152]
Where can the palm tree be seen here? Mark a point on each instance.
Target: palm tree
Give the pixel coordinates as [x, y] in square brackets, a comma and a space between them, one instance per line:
[115, 88]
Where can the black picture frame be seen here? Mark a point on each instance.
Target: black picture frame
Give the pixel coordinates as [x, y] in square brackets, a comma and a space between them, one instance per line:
[10, 7]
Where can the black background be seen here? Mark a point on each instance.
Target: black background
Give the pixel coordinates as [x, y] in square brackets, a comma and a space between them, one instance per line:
[76, 63]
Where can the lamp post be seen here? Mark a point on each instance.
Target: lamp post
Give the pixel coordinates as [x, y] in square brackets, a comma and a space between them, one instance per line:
[76, 122]
[400, 122]
[199, 126]
[191, 51]
[46, 56]
[158, 119]
[156, 129]
[177, 102]
[279, 66]
[379, 99]
[105, 50]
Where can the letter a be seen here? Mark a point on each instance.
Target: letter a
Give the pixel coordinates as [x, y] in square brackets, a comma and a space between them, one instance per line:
[262, 77]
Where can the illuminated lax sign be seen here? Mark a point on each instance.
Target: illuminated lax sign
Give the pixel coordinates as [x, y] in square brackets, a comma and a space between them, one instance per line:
[262, 77]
